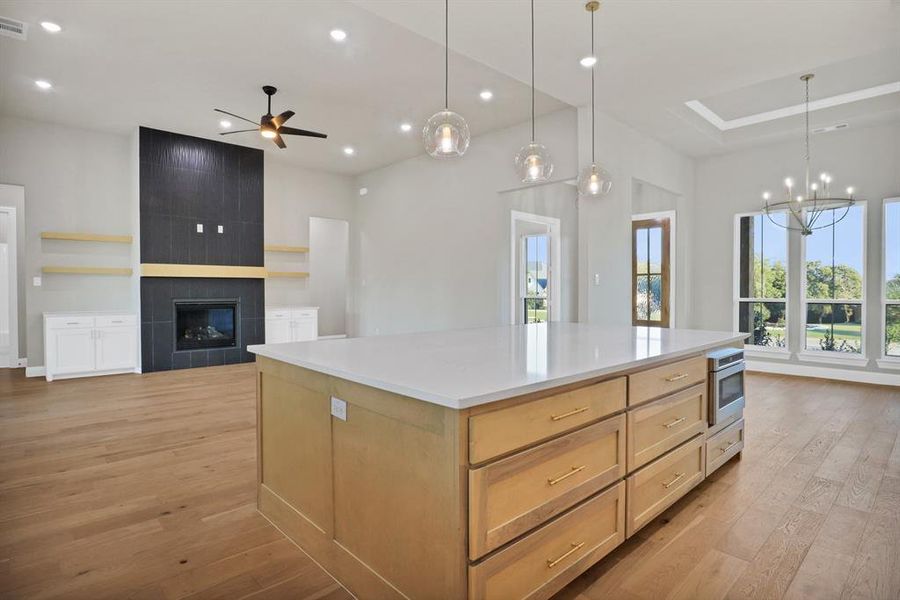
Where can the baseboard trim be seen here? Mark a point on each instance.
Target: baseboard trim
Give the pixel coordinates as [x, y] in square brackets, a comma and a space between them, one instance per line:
[35, 371]
[336, 336]
[824, 372]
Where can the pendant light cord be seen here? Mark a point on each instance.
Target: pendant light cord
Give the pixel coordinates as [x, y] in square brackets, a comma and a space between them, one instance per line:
[532, 70]
[593, 130]
[807, 138]
[447, 54]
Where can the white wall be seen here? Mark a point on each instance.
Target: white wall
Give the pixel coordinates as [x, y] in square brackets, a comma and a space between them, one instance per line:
[75, 180]
[292, 196]
[432, 236]
[605, 222]
[866, 158]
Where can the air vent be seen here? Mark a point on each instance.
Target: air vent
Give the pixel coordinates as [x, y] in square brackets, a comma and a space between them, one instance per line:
[14, 29]
[834, 127]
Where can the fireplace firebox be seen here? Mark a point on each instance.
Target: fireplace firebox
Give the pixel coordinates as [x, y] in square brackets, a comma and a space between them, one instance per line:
[203, 324]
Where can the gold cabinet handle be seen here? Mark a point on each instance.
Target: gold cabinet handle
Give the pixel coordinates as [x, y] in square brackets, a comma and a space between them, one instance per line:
[678, 377]
[728, 447]
[669, 484]
[568, 414]
[672, 424]
[551, 562]
[554, 481]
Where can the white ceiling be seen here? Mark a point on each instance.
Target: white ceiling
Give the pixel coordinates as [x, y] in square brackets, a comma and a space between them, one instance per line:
[117, 65]
[167, 64]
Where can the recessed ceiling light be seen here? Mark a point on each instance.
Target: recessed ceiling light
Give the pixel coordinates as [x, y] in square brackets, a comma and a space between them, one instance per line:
[224, 124]
[43, 84]
[486, 95]
[588, 61]
[51, 27]
[338, 35]
[349, 151]
[405, 127]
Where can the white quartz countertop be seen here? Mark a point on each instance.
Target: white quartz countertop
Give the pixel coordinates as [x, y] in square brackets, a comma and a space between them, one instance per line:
[468, 367]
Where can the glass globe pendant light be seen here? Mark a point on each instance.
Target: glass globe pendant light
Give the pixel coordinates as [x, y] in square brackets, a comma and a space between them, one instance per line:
[446, 133]
[533, 162]
[593, 180]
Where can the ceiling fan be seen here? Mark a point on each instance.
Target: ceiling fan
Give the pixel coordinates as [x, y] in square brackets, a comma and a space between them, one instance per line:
[272, 127]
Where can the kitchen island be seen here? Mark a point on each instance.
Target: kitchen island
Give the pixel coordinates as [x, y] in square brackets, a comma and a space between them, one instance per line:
[484, 463]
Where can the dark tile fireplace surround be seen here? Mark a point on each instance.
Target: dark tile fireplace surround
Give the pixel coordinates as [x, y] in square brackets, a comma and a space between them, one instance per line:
[186, 182]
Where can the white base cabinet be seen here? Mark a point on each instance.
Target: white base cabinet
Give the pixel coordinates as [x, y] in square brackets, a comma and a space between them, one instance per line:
[87, 344]
[292, 324]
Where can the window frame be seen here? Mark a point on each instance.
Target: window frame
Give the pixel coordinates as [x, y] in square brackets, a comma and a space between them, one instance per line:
[827, 355]
[885, 358]
[784, 352]
[664, 222]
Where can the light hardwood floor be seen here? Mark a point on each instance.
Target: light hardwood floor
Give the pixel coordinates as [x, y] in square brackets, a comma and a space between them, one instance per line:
[143, 487]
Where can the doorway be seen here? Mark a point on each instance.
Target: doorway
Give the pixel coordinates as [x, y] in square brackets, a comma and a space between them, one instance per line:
[534, 281]
[10, 196]
[651, 270]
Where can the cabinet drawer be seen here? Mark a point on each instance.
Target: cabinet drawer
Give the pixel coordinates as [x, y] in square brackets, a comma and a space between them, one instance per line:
[304, 314]
[666, 379]
[660, 426]
[278, 314]
[540, 564]
[504, 430]
[658, 485]
[516, 494]
[116, 321]
[69, 322]
[724, 445]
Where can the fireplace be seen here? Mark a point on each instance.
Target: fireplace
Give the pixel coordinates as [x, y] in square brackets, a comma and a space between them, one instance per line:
[204, 324]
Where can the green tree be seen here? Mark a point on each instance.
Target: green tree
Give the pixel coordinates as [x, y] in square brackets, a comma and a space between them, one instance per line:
[892, 287]
[847, 281]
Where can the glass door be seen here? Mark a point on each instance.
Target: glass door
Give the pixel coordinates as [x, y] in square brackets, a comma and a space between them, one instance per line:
[535, 278]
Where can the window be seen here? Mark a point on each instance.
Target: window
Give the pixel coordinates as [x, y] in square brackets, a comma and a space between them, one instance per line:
[761, 290]
[535, 281]
[891, 283]
[834, 282]
[650, 272]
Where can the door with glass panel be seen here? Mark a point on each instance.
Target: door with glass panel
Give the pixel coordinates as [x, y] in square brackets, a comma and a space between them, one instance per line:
[534, 282]
[650, 272]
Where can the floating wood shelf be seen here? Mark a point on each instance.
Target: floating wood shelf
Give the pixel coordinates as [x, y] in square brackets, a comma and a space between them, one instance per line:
[281, 248]
[294, 274]
[86, 237]
[216, 271]
[88, 270]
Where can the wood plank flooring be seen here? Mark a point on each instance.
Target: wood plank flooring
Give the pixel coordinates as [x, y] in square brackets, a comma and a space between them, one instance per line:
[143, 487]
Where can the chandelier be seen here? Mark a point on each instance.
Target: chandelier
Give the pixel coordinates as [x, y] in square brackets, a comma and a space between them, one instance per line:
[806, 205]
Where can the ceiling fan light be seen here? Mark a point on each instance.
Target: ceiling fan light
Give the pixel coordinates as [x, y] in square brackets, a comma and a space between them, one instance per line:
[267, 133]
[446, 135]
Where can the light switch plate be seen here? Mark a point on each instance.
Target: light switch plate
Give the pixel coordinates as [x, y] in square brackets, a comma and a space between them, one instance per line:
[199, 227]
[338, 408]
[596, 278]
[36, 282]
[221, 229]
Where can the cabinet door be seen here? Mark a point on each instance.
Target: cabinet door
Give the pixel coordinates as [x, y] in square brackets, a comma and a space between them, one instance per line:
[73, 350]
[305, 330]
[116, 348]
[278, 331]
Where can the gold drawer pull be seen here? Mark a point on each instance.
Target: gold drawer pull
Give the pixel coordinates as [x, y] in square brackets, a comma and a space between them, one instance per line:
[672, 424]
[574, 470]
[678, 477]
[728, 447]
[575, 548]
[568, 414]
[678, 377]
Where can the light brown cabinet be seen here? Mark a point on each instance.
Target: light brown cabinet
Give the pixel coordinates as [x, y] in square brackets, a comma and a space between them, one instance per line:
[512, 499]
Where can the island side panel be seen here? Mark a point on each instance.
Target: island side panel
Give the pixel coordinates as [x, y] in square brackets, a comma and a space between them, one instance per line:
[397, 486]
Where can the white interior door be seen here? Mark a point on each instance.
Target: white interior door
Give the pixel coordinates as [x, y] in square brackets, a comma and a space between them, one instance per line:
[11, 196]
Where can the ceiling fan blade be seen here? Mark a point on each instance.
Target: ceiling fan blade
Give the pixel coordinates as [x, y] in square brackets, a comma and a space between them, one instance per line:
[238, 131]
[279, 142]
[235, 116]
[293, 131]
[280, 119]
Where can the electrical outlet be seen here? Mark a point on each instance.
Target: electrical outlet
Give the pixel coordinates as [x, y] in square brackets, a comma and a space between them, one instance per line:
[221, 229]
[199, 227]
[596, 278]
[338, 408]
